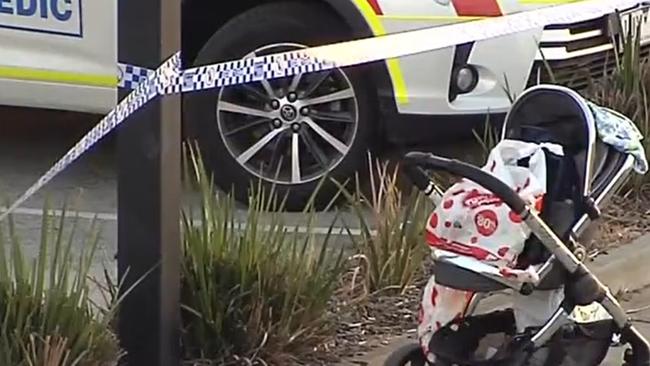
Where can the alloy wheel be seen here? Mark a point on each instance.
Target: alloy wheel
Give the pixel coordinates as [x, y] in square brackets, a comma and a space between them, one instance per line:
[290, 130]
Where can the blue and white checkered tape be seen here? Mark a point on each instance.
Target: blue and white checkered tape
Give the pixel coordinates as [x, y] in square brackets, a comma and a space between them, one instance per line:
[226, 74]
[129, 76]
[170, 79]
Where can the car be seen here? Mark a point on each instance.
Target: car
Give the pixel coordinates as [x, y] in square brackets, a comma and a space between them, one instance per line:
[291, 133]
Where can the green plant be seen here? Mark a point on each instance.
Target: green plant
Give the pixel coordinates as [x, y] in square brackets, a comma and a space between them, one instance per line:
[487, 140]
[48, 315]
[251, 290]
[391, 240]
[624, 88]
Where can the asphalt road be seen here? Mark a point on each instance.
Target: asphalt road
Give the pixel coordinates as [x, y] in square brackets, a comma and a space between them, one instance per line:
[31, 141]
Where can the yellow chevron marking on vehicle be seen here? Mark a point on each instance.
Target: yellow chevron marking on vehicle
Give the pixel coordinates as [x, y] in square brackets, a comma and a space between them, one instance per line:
[59, 77]
[394, 68]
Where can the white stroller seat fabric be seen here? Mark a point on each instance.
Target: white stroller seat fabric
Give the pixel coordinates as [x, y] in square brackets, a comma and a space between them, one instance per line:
[473, 230]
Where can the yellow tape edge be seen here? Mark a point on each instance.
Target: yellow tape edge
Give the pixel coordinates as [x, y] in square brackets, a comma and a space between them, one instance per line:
[59, 77]
[394, 68]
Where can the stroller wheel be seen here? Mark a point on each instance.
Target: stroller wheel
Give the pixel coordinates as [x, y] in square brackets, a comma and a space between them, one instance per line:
[408, 354]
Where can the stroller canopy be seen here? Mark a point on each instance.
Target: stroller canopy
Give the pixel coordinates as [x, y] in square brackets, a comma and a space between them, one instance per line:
[598, 139]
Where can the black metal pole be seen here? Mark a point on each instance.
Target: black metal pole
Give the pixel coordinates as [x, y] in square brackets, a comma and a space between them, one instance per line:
[149, 192]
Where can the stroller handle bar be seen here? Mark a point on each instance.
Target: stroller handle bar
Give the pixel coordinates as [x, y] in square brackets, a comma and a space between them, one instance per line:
[415, 161]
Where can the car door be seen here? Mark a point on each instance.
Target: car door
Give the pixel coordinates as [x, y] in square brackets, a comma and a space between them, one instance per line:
[59, 54]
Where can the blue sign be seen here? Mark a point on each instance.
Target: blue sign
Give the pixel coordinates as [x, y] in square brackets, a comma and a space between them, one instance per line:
[59, 17]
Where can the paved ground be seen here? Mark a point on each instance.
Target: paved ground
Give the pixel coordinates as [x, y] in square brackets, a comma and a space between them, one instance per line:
[31, 141]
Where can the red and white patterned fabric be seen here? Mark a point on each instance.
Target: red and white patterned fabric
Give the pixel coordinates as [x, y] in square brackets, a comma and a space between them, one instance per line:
[440, 305]
[471, 221]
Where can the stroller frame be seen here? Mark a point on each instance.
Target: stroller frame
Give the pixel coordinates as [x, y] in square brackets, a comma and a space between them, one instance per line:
[596, 291]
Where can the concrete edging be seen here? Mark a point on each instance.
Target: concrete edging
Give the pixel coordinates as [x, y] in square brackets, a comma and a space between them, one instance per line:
[625, 268]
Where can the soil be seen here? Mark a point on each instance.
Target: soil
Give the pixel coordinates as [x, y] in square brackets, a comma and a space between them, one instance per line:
[625, 219]
[366, 322]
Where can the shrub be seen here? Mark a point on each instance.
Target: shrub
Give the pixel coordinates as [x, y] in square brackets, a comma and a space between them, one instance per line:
[624, 88]
[251, 290]
[391, 240]
[48, 316]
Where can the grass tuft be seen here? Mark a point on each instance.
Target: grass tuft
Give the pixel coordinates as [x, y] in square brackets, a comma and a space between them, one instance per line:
[392, 230]
[252, 289]
[48, 315]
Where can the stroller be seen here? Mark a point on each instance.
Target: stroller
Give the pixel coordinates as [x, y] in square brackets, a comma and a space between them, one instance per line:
[591, 168]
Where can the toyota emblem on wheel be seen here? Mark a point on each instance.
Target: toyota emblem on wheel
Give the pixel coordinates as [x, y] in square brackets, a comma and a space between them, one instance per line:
[288, 112]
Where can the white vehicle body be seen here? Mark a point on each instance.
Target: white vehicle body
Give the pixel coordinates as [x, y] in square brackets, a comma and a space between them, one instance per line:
[421, 82]
[59, 54]
[62, 54]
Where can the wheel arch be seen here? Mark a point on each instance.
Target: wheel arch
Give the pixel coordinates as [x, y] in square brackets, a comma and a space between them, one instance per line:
[202, 18]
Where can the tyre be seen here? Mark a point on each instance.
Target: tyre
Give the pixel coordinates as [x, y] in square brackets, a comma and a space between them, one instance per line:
[288, 133]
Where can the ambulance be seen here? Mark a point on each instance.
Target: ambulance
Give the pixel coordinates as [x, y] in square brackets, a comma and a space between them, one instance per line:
[293, 132]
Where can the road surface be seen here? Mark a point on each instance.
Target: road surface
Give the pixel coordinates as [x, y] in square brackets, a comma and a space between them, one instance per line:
[31, 141]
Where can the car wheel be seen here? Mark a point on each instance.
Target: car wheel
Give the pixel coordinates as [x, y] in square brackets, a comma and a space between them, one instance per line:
[289, 133]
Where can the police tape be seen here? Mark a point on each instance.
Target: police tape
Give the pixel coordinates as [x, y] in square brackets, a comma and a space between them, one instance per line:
[395, 45]
[143, 93]
[129, 76]
[170, 79]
